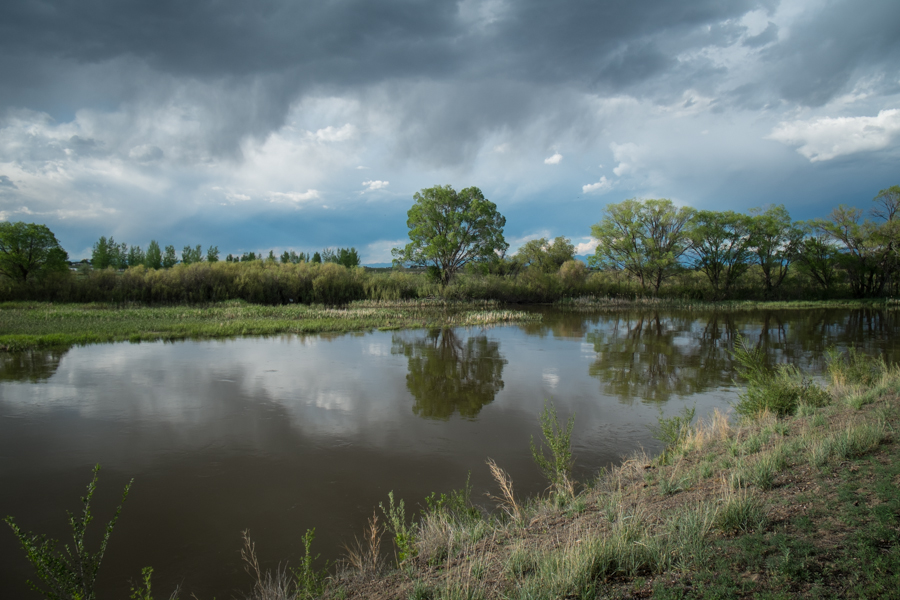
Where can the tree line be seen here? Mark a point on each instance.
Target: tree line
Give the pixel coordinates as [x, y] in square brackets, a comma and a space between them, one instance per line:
[654, 240]
[107, 253]
[645, 247]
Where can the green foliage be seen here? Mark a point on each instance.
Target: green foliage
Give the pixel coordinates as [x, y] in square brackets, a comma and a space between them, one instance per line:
[775, 242]
[144, 591]
[28, 250]
[169, 258]
[69, 575]
[645, 238]
[780, 390]
[817, 258]
[395, 522]
[212, 254]
[135, 256]
[153, 259]
[449, 229]
[557, 468]
[457, 504]
[672, 431]
[107, 253]
[854, 368]
[309, 581]
[316, 258]
[868, 253]
[545, 256]
[720, 246]
[740, 511]
[191, 255]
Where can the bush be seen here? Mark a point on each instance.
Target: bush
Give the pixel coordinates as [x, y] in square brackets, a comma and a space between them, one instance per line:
[780, 390]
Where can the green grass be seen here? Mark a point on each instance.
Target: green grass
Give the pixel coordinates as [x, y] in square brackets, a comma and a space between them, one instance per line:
[26, 326]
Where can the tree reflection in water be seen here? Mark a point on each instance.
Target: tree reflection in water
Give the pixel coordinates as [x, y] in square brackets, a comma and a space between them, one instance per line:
[653, 355]
[448, 375]
[30, 365]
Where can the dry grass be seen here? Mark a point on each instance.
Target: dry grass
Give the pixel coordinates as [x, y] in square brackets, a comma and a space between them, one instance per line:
[364, 556]
[507, 501]
[653, 519]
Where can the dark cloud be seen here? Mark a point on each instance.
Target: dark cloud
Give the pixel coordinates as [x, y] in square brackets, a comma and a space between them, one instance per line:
[826, 53]
[253, 59]
[768, 35]
[6, 182]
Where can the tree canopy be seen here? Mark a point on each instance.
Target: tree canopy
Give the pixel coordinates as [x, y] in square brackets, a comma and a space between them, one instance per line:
[449, 229]
[545, 256]
[643, 237]
[29, 250]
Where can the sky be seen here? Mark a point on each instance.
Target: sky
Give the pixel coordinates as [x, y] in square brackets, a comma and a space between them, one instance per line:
[295, 124]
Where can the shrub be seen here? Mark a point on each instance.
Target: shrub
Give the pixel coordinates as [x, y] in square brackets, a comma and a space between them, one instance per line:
[780, 390]
[69, 575]
[558, 467]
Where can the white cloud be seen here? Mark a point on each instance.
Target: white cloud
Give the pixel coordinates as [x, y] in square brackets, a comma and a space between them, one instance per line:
[553, 160]
[627, 155]
[518, 242]
[334, 134]
[587, 247]
[601, 186]
[827, 138]
[293, 197]
[380, 251]
[373, 185]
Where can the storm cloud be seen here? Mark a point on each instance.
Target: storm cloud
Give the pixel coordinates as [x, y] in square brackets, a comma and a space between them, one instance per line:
[308, 124]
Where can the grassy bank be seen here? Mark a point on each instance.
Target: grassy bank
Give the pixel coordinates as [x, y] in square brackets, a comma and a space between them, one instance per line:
[605, 303]
[34, 325]
[25, 325]
[803, 505]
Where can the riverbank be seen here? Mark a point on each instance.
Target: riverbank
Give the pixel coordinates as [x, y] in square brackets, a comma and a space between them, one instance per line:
[807, 505]
[34, 325]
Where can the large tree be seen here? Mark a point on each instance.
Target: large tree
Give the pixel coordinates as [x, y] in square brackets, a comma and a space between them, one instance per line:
[720, 247]
[449, 229]
[545, 256]
[869, 248]
[645, 238]
[776, 242]
[29, 250]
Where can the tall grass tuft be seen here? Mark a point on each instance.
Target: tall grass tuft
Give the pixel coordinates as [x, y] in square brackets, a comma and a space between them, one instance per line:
[739, 511]
[364, 556]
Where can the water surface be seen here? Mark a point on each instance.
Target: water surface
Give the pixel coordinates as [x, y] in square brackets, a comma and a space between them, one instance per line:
[281, 434]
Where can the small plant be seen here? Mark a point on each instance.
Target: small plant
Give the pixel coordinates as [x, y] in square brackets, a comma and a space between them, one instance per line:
[673, 431]
[309, 582]
[558, 467]
[456, 504]
[404, 534]
[70, 575]
[143, 591]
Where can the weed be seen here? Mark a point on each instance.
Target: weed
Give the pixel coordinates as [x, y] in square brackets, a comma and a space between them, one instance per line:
[673, 431]
[69, 575]
[404, 534]
[558, 468]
